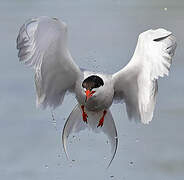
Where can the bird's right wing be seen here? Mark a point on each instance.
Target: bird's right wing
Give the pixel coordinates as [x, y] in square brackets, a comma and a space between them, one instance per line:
[42, 44]
[136, 83]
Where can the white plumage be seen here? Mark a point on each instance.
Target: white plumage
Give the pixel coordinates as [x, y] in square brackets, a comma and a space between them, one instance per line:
[42, 44]
[136, 83]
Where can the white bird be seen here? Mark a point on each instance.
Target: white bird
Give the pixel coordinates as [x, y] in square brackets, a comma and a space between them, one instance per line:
[42, 44]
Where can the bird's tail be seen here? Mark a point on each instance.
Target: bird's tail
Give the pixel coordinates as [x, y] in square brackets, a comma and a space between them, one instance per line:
[75, 124]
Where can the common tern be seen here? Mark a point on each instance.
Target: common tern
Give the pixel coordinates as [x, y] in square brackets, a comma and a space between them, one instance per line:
[42, 44]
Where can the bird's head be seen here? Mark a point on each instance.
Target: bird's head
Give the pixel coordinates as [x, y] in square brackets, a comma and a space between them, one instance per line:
[91, 85]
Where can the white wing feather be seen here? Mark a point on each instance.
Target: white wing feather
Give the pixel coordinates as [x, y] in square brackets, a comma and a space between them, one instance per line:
[42, 44]
[136, 83]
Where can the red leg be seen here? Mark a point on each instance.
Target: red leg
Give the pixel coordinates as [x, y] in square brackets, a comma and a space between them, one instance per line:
[84, 115]
[102, 119]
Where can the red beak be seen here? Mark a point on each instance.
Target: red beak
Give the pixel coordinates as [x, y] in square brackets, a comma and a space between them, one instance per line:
[89, 94]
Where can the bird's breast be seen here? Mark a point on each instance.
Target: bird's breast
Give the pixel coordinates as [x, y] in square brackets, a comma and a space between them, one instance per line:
[99, 103]
[101, 99]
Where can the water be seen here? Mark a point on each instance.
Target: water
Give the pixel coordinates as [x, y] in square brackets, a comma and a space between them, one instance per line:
[102, 37]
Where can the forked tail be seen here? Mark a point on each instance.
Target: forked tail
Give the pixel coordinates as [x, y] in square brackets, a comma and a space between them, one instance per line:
[75, 124]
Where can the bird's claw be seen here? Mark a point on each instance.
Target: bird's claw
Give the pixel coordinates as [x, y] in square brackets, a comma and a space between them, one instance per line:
[85, 116]
[102, 119]
[101, 122]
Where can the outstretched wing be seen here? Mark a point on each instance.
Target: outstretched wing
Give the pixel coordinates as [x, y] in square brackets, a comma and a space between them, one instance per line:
[42, 44]
[136, 83]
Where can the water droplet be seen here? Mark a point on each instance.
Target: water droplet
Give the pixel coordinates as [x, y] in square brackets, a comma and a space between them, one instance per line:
[73, 160]
[105, 157]
[131, 163]
[46, 166]
[111, 176]
[59, 155]
[137, 140]
[58, 164]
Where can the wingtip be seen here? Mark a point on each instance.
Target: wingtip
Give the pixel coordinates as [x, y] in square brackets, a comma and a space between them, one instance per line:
[64, 142]
[114, 153]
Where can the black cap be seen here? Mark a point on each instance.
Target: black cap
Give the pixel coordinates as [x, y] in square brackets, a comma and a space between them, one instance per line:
[92, 82]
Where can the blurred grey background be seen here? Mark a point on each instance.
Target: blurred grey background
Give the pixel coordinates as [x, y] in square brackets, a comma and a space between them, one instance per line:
[102, 37]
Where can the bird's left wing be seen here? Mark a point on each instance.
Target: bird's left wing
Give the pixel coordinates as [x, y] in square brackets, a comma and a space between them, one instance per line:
[136, 83]
[42, 44]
